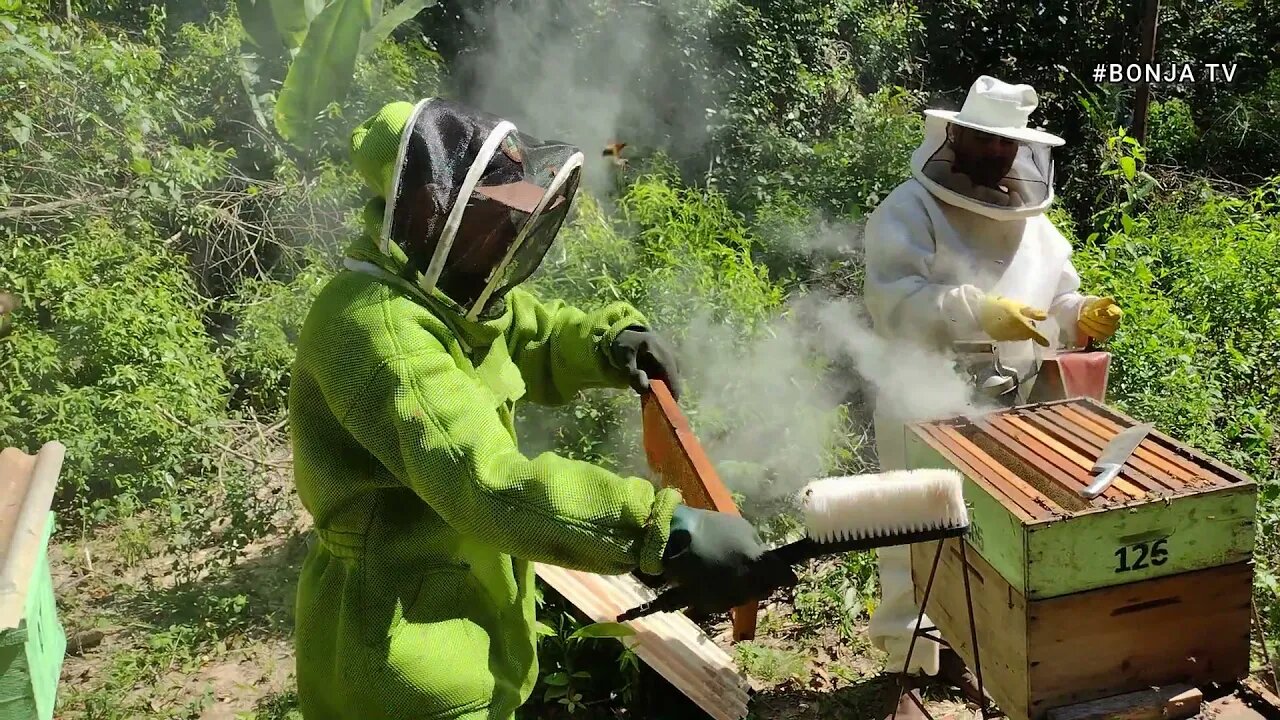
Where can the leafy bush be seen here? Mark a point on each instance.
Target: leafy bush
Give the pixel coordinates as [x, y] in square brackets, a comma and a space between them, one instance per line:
[1198, 352]
[680, 256]
[109, 357]
[1171, 131]
[259, 348]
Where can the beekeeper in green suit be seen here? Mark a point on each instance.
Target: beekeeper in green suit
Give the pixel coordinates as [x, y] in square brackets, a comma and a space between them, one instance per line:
[417, 598]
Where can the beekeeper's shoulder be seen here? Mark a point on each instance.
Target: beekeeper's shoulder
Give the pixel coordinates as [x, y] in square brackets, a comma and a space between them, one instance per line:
[910, 201]
[358, 321]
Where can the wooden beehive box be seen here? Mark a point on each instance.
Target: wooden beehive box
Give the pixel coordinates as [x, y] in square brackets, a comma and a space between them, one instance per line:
[1148, 584]
[32, 643]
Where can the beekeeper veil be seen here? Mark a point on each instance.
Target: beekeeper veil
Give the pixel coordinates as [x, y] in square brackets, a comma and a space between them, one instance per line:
[475, 204]
[984, 158]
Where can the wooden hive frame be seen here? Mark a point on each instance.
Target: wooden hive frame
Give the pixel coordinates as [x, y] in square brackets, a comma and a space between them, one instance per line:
[670, 643]
[679, 461]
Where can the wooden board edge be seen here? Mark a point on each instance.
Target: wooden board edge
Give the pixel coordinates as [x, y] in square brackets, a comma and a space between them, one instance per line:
[1263, 695]
[719, 493]
[1175, 702]
[29, 533]
[1040, 535]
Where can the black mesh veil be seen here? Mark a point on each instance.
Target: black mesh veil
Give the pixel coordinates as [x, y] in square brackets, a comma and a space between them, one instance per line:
[475, 203]
[1027, 184]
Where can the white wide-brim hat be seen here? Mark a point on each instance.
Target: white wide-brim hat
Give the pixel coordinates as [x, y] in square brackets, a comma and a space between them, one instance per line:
[1000, 109]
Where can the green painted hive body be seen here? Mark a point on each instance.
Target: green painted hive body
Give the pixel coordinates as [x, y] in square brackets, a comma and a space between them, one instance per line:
[31, 654]
[1171, 511]
[32, 643]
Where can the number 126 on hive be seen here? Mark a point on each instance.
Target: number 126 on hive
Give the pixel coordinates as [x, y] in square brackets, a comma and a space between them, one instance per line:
[1142, 555]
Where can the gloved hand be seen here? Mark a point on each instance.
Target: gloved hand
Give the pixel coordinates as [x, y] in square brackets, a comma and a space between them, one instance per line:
[645, 355]
[1007, 320]
[1100, 318]
[719, 561]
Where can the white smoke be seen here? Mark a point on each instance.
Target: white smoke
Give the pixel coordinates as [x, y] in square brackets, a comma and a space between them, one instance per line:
[767, 409]
[589, 73]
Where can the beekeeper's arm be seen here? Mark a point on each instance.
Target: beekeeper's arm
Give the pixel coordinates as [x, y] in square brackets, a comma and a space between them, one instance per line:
[1079, 316]
[899, 293]
[1067, 304]
[436, 429]
[561, 350]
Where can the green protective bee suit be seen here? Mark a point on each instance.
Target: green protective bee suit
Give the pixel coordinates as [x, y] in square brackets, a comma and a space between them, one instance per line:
[417, 598]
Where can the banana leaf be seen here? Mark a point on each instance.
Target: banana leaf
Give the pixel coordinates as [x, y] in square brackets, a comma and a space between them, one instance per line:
[293, 18]
[322, 70]
[399, 15]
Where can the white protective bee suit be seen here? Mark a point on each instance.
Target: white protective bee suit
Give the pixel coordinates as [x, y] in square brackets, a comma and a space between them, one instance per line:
[934, 247]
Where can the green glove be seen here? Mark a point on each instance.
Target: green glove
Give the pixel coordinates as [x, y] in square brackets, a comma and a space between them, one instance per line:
[645, 355]
[719, 561]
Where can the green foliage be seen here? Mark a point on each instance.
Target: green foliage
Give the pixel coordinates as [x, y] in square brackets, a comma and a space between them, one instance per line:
[258, 351]
[683, 258]
[109, 357]
[324, 41]
[1199, 349]
[771, 666]
[1171, 131]
[581, 664]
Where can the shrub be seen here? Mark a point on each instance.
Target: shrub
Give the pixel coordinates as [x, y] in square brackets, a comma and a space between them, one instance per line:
[109, 357]
[259, 349]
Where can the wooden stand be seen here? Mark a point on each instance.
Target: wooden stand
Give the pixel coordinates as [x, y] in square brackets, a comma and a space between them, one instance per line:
[678, 460]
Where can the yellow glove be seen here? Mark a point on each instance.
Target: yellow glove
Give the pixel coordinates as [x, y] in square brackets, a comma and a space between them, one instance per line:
[1006, 320]
[1100, 318]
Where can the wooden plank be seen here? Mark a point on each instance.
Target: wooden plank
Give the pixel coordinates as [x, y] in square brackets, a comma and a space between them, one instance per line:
[1263, 696]
[1120, 490]
[995, 532]
[676, 456]
[15, 477]
[670, 643]
[1232, 707]
[1178, 449]
[1023, 499]
[1108, 547]
[1145, 450]
[1187, 628]
[1139, 470]
[1001, 619]
[27, 512]
[1175, 702]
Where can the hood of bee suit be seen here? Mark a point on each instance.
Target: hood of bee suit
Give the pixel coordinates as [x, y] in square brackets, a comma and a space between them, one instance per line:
[1000, 109]
[470, 204]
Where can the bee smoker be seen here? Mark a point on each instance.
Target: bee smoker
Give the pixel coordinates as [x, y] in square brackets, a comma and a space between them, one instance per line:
[991, 379]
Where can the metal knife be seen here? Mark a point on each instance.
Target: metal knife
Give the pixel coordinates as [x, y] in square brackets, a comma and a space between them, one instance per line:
[1113, 457]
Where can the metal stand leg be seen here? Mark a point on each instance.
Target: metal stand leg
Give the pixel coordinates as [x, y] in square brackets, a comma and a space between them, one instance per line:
[987, 712]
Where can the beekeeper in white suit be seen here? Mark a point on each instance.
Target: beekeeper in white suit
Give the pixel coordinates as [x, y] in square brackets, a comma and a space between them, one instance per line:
[963, 251]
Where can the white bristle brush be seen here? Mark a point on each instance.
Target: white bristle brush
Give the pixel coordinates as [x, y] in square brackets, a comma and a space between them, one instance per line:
[861, 507]
[860, 512]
